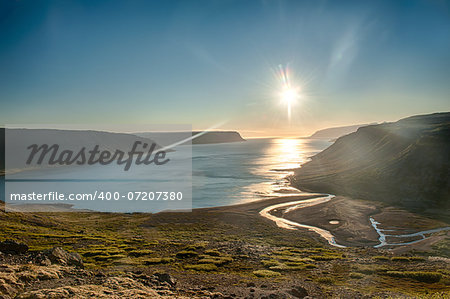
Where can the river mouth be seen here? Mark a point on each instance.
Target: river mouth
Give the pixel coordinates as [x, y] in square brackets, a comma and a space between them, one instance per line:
[288, 224]
[377, 235]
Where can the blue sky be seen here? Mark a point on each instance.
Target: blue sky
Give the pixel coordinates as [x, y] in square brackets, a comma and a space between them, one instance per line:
[204, 62]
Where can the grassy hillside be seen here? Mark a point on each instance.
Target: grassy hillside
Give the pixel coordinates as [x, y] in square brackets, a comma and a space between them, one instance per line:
[404, 163]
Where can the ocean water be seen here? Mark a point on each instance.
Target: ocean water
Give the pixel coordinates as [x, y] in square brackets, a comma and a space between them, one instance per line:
[233, 173]
[222, 174]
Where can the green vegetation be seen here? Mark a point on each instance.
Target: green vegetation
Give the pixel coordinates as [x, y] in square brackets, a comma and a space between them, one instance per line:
[356, 275]
[400, 259]
[325, 257]
[442, 248]
[270, 263]
[212, 252]
[201, 267]
[157, 260]
[381, 258]
[417, 258]
[422, 276]
[266, 273]
[291, 259]
[370, 269]
[141, 252]
[288, 267]
[177, 243]
[186, 254]
[325, 280]
[218, 261]
[196, 246]
[310, 266]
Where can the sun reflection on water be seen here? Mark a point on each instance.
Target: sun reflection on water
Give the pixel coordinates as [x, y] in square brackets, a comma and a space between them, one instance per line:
[278, 161]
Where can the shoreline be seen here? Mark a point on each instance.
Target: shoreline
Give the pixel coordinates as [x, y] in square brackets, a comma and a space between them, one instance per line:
[341, 222]
[225, 249]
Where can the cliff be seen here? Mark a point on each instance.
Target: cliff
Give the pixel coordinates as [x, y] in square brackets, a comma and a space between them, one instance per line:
[336, 132]
[404, 163]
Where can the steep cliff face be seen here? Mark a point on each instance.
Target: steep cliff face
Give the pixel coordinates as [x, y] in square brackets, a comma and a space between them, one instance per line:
[405, 163]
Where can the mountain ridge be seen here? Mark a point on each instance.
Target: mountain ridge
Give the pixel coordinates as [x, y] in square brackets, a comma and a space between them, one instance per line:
[336, 132]
[405, 163]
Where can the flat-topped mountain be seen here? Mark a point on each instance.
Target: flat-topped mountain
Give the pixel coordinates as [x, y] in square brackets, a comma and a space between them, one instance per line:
[336, 132]
[404, 163]
[217, 137]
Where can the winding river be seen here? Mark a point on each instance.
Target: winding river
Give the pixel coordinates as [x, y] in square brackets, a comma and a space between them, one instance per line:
[268, 213]
[288, 224]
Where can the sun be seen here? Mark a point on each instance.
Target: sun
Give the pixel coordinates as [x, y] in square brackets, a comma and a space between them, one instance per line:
[290, 95]
[289, 92]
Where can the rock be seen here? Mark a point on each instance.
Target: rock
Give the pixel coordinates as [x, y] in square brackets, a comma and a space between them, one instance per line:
[45, 262]
[13, 247]
[57, 255]
[100, 273]
[9, 282]
[6, 288]
[42, 260]
[165, 277]
[298, 292]
[27, 276]
[216, 295]
[47, 273]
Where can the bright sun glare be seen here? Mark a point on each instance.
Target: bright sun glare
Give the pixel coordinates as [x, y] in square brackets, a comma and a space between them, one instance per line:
[290, 95]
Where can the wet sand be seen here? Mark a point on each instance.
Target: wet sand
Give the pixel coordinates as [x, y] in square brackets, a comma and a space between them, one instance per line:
[347, 219]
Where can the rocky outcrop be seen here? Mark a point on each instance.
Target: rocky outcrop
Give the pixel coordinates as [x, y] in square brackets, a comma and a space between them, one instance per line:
[29, 280]
[112, 287]
[57, 255]
[13, 247]
[16, 279]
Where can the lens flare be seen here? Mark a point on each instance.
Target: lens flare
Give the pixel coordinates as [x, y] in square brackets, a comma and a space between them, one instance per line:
[289, 94]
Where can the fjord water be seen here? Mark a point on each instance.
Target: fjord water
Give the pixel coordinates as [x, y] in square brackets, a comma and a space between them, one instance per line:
[233, 173]
[222, 174]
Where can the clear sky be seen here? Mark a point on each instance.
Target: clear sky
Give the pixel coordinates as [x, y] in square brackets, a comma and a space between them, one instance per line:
[204, 62]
